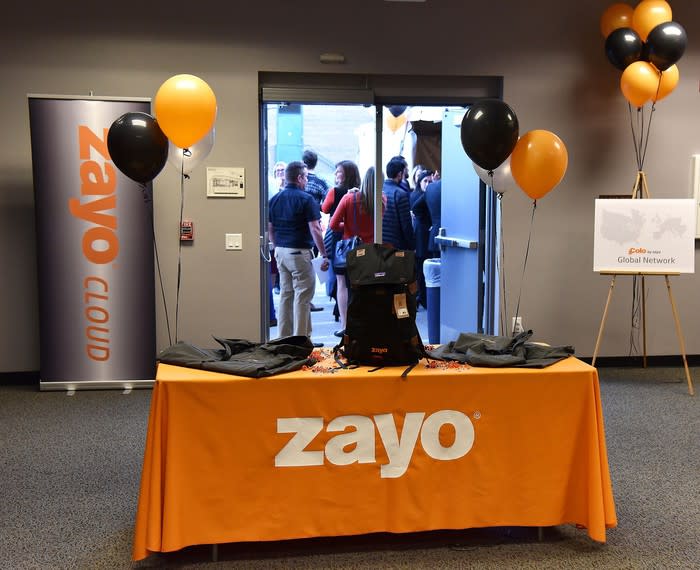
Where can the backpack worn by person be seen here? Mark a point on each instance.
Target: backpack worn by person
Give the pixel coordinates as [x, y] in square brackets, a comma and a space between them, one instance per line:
[381, 320]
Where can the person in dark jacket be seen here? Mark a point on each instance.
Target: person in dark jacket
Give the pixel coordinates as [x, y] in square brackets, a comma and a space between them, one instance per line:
[397, 226]
[316, 186]
[433, 199]
[421, 227]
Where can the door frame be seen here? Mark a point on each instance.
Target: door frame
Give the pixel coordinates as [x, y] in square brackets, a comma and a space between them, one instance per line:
[373, 89]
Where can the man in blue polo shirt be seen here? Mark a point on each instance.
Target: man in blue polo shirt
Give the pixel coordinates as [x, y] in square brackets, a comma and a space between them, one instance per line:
[294, 225]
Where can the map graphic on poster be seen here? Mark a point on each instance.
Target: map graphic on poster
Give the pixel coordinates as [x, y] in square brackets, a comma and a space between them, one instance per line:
[644, 235]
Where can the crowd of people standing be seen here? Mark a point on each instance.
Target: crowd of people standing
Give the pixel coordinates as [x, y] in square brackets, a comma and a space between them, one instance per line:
[410, 221]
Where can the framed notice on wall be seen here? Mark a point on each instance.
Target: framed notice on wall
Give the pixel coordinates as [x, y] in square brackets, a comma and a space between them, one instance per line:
[644, 236]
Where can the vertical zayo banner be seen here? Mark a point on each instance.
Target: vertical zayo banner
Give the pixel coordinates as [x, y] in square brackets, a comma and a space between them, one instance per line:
[94, 248]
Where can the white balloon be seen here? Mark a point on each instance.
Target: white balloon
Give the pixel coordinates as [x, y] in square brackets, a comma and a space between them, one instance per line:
[186, 159]
[502, 177]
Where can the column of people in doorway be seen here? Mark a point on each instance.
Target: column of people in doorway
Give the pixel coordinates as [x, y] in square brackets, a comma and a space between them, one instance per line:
[410, 221]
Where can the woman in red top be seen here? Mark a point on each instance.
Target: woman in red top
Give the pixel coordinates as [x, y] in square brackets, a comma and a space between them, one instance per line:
[347, 176]
[354, 216]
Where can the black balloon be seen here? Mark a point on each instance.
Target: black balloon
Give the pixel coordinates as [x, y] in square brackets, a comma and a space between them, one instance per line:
[397, 110]
[137, 146]
[623, 46]
[666, 44]
[489, 133]
[645, 52]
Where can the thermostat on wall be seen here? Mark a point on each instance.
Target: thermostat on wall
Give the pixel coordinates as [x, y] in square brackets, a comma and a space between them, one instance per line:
[225, 182]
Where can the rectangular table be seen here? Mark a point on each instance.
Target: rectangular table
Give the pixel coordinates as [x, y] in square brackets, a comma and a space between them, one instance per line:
[310, 454]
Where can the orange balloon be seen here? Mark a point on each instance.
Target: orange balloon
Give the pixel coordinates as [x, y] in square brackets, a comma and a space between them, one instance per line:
[667, 83]
[538, 162]
[185, 107]
[639, 82]
[616, 16]
[648, 14]
[395, 123]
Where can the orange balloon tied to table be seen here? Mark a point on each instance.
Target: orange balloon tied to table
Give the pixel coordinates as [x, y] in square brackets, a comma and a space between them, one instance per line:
[185, 107]
[639, 82]
[616, 16]
[667, 83]
[538, 162]
[648, 14]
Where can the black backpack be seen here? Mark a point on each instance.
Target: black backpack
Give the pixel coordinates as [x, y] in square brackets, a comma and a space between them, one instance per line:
[381, 321]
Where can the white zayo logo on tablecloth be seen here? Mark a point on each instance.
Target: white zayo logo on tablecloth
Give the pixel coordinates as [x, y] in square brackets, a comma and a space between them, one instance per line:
[399, 448]
[646, 235]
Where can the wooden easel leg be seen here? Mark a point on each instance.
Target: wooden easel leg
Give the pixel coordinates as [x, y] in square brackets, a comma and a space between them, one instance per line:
[645, 188]
[637, 187]
[602, 321]
[691, 391]
[644, 324]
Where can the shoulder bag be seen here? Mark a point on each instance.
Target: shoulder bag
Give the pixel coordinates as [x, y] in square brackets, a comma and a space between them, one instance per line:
[345, 245]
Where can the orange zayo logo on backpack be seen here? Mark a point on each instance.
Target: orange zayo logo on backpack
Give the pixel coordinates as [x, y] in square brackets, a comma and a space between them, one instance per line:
[100, 243]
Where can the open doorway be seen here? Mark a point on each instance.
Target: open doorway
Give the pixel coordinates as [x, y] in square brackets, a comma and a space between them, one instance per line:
[359, 125]
[334, 133]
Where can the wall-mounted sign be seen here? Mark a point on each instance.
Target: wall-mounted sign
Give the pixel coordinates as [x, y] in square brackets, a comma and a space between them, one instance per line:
[225, 182]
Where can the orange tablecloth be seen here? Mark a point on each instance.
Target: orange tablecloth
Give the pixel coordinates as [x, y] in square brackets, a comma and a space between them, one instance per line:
[481, 447]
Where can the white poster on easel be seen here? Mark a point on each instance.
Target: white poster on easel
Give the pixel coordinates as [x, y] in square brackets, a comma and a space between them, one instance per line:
[645, 235]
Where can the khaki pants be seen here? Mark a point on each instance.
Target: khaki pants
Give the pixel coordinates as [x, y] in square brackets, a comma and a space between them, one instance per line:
[297, 286]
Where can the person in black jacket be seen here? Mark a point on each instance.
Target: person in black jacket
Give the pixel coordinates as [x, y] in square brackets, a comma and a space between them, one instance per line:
[421, 226]
[397, 226]
[433, 199]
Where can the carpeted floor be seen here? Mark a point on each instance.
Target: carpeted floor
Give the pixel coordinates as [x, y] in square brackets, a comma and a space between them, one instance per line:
[70, 469]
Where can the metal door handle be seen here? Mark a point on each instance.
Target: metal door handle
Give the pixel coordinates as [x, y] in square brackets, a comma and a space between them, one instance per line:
[447, 241]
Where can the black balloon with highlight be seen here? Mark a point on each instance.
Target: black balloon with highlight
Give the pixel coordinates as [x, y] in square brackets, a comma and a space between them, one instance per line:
[623, 47]
[666, 44]
[489, 133]
[137, 146]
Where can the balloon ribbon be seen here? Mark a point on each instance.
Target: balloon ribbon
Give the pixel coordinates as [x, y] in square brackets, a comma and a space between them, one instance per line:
[527, 254]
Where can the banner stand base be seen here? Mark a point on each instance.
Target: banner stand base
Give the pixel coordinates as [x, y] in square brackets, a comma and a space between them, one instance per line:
[68, 386]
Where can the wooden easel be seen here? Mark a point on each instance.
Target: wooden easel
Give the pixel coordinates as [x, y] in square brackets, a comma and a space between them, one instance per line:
[642, 190]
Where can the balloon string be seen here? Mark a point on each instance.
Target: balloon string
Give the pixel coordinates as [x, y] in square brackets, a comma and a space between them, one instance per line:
[148, 200]
[640, 119]
[651, 115]
[636, 313]
[527, 253]
[502, 269]
[179, 249]
[634, 138]
[186, 153]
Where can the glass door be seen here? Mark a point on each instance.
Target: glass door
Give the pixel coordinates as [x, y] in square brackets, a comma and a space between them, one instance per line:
[368, 119]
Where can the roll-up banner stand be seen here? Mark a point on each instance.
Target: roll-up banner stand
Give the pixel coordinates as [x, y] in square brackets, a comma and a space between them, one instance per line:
[94, 249]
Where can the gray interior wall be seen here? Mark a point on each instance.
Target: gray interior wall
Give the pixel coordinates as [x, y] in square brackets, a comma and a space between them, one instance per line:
[556, 77]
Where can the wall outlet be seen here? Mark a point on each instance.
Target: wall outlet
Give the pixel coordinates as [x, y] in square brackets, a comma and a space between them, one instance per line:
[516, 326]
